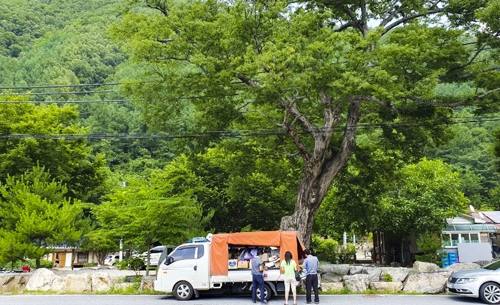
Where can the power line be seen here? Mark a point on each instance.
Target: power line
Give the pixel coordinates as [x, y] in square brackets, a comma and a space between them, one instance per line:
[58, 86]
[219, 134]
[216, 134]
[67, 102]
[98, 101]
[57, 92]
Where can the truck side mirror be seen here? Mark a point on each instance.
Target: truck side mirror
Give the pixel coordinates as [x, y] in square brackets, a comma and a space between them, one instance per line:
[169, 260]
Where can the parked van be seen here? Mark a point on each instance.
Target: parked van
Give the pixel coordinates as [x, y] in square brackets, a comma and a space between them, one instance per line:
[210, 267]
[110, 260]
[157, 254]
[154, 255]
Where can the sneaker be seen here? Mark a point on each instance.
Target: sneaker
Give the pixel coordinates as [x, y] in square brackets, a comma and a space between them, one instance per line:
[264, 302]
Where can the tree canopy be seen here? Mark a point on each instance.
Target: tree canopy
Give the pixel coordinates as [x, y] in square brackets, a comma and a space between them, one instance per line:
[160, 208]
[314, 71]
[420, 201]
[38, 135]
[37, 215]
[312, 109]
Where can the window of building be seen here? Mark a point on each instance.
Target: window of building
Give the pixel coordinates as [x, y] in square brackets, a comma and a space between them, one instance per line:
[82, 257]
[453, 239]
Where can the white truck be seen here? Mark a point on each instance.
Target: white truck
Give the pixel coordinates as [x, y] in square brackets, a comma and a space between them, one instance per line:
[208, 268]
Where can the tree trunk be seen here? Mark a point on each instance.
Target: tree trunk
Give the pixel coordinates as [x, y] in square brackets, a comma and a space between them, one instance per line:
[73, 256]
[148, 257]
[309, 199]
[320, 168]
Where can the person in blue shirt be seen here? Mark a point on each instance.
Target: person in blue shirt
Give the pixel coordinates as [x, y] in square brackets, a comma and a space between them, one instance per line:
[311, 263]
[257, 277]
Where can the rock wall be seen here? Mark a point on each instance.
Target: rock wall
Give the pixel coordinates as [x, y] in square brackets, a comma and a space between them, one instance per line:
[70, 281]
[425, 278]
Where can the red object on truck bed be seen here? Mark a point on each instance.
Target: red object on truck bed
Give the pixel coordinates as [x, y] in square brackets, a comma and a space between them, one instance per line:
[285, 240]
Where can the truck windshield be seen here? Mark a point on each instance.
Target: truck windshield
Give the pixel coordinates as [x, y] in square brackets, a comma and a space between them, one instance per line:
[187, 252]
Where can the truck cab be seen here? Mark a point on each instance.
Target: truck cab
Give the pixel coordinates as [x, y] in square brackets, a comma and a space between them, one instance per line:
[185, 270]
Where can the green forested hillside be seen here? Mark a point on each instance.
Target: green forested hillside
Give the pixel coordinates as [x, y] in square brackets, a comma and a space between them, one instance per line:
[57, 42]
[60, 51]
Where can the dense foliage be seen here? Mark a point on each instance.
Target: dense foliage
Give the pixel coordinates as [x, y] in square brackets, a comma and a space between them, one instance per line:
[236, 114]
[36, 214]
[315, 72]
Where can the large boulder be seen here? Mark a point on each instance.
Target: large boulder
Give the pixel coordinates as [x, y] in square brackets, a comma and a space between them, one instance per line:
[397, 274]
[357, 283]
[372, 272]
[333, 272]
[147, 282]
[393, 287]
[332, 287]
[425, 267]
[10, 283]
[45, 280]
[462, 267]
[101, 281]
[123, 286]
[78, 283]
[426, 282]
[355, 269]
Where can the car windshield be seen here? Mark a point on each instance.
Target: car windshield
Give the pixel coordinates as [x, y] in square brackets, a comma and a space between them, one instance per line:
[157, 249]
[493, 266]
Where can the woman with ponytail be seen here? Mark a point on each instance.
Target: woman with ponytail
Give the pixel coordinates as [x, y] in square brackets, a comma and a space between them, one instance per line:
[288, 268]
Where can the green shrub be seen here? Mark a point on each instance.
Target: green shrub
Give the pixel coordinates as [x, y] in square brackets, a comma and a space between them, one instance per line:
[45, 264]
[387, 277]
[326, 249]
[348, 254]
[17, 265]
[329, 250]
[134, 263]
[430, 245]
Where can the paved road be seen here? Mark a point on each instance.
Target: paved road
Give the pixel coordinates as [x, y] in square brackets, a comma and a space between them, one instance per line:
[226, 300]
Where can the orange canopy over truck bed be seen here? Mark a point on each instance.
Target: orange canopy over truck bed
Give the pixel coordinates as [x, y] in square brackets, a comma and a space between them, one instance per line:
[286, 240]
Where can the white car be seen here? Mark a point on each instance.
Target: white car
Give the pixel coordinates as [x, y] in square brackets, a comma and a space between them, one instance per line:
[155, 254]
[483, 283]
[110, 260]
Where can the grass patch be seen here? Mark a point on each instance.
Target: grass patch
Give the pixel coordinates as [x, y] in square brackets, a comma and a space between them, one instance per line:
[387, 277]
[344, 290]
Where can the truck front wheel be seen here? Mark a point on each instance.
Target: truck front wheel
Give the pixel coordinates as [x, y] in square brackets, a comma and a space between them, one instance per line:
[268, 292]
[183, 291]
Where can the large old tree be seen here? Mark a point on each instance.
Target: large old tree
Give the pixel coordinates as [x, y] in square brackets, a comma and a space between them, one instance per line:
[313, 73]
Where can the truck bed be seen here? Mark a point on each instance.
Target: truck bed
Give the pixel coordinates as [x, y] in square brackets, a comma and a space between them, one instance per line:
[244, 275]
